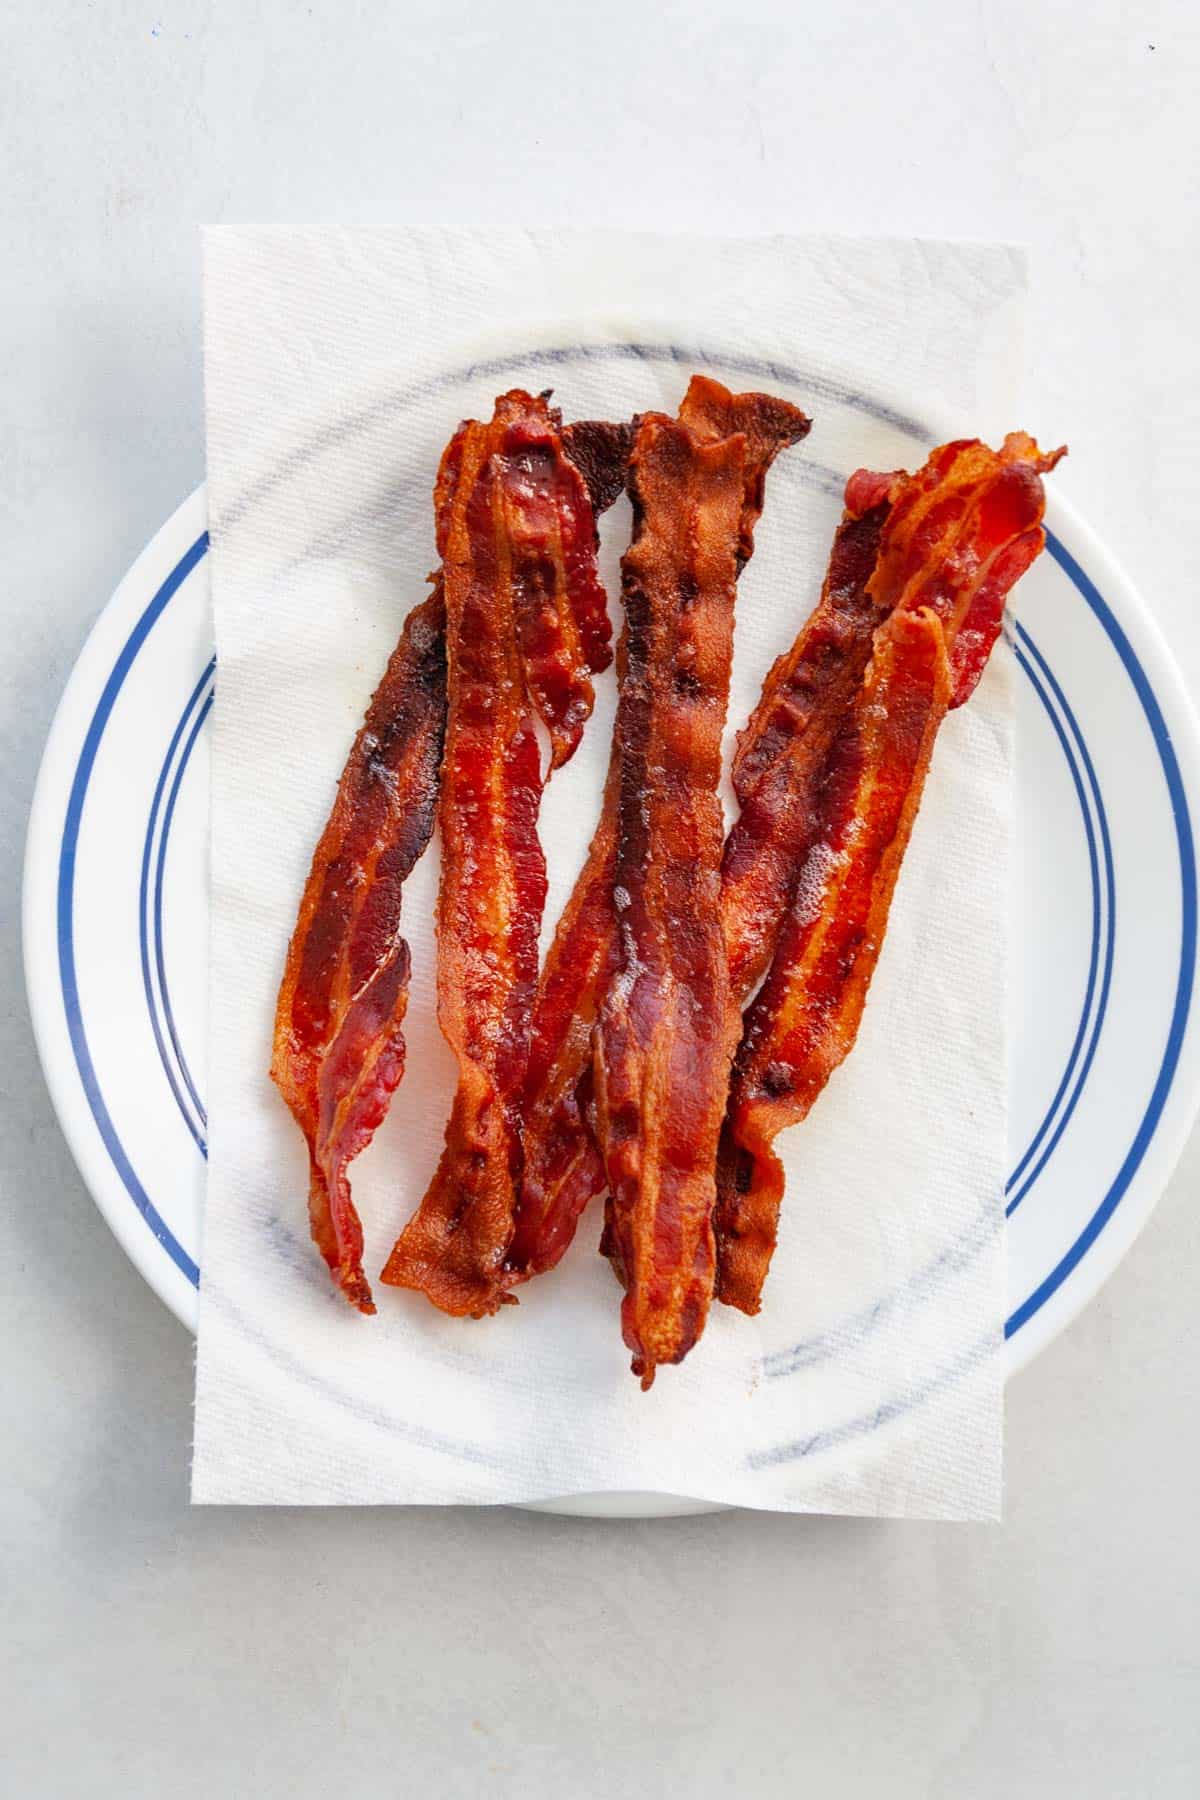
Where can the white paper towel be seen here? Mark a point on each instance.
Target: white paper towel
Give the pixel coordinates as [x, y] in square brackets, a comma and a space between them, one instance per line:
[337, 363]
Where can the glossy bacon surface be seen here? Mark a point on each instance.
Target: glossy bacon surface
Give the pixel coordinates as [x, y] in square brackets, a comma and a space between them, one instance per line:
[951, 541]
[525, 627]
[804, 1019]
[667, 1025]
[955, 537]
[563, 1166]
[560, 608]
[781, 751]
[958, 535]
[339, 1047]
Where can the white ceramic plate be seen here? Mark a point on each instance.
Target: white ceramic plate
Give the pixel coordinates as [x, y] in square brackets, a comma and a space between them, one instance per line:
[1106, 1050]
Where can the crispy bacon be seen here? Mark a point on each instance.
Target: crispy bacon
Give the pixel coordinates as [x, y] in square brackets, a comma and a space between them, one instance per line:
[805, 1017]
[563, 1166]
[951, 541]
[960, 532]
[526, 625]
[561, 610]
[667, 1025]
[903, 540]
[782, 748]
[600, 449]
[339, 1045]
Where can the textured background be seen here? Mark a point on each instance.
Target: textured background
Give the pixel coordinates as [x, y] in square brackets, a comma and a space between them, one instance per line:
[149, 1650]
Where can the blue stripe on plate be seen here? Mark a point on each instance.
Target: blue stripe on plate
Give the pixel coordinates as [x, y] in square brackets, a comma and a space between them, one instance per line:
[68, 973]
[160, 869]
[1027, 649]
[1187, 941]
[165, 1036]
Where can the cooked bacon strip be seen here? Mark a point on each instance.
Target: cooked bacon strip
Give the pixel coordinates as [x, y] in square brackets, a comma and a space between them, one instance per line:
[600, 449]
[952, 541]
[339, 1047]
[561, 610]
[667, 1025]
[903, 540]
[525, 625]
[959, 534]
[563, 1165]
[782, 749]
[805, 1017]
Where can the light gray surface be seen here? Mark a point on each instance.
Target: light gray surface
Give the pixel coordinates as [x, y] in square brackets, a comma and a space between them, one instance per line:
[148, 1650]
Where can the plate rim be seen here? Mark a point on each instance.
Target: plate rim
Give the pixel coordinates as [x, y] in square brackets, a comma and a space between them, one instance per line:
[163, 555]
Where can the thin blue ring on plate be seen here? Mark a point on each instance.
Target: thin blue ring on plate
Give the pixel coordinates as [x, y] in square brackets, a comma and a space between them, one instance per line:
[66, 900]
[1187, 941]
[1031, 661]
[150, 908]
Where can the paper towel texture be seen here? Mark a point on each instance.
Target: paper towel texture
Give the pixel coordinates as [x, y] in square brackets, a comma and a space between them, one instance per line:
[337, 364]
